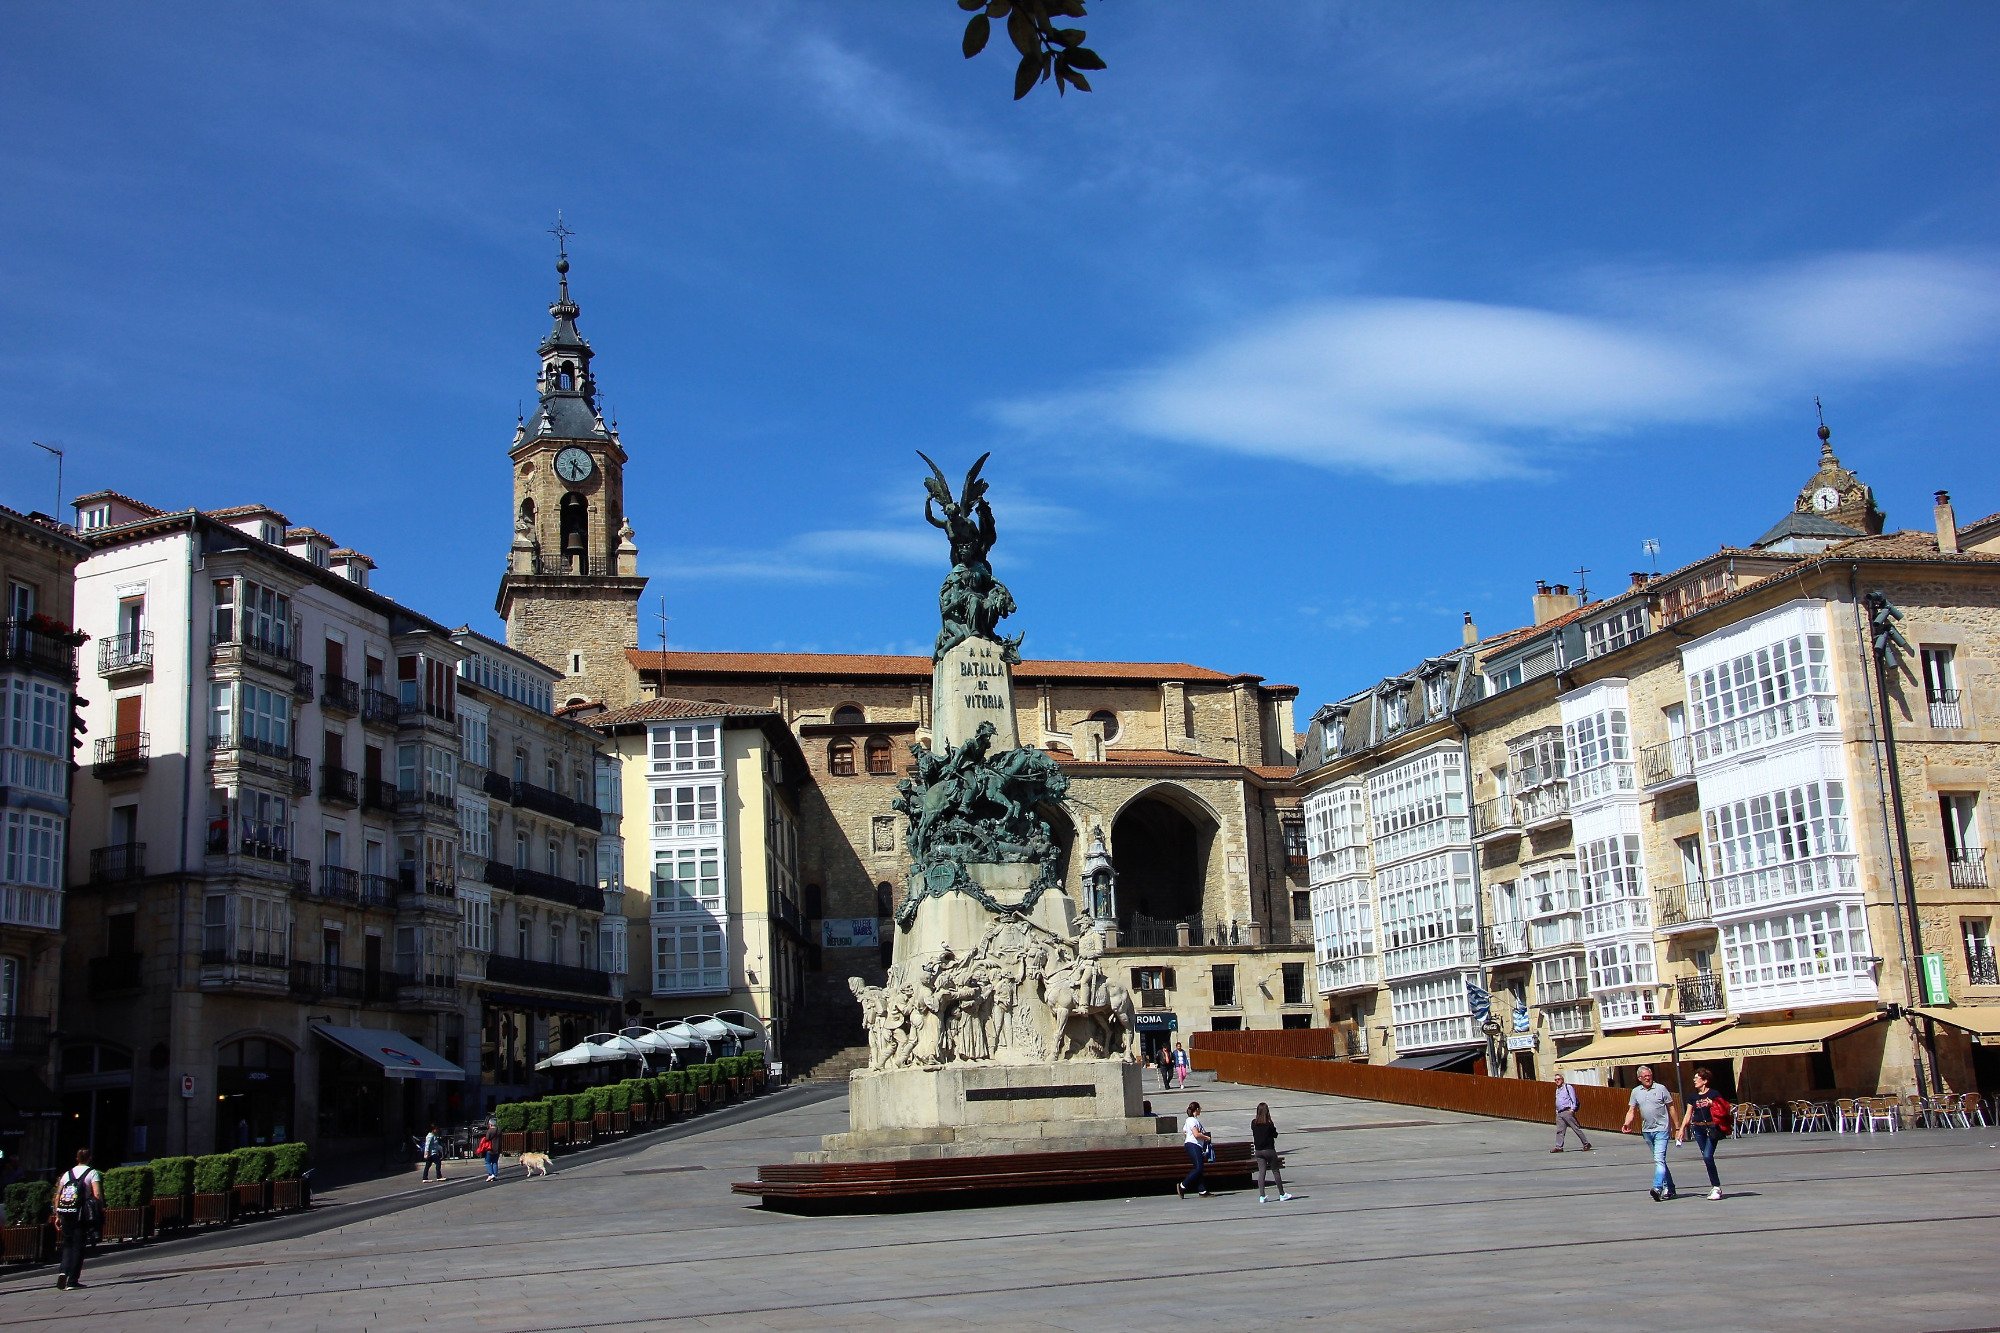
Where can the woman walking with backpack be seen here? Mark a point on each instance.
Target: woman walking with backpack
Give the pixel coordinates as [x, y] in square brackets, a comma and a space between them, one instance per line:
[79, 1197]
[1711, 1118]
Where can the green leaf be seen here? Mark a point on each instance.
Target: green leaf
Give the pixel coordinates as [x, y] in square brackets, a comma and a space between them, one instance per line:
[1022, 30]
[1082, 57]
[998, 9]
[1028, 74]
[969, 5]
[1069, 36]
[1082, 84]
[976, 33]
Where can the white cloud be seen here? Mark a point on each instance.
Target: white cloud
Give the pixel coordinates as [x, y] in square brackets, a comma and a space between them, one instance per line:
[1428, 390]
[909, 546]
[879, 105]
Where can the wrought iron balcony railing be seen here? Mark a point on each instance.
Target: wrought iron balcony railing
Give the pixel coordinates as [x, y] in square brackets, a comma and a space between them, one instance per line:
[379, 708]
[547, 976]
[119, 862]
[39, 647]
[122, 756]
[1699, 994]
[337, 694]
[339, 785]
[119, 653]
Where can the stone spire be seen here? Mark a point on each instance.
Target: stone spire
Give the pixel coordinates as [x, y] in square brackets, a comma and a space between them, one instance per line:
[566, 386]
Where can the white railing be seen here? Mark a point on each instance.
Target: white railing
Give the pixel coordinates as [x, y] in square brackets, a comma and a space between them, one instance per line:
[1776, 723]
[1788, 881]
[1544, 804]
[1506, 939]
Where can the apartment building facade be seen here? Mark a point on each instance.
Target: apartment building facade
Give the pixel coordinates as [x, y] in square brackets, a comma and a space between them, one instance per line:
[1704, 824]
[270, 844]
[38, 674]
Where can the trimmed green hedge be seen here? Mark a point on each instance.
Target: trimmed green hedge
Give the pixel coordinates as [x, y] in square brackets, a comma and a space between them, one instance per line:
[253, 1165]
[173, 1177]
[28, 1202]
[511, 1116]
[288, 1160]
[535, 1118]
[214, 1173]
[700, 1076]
[756, 1059]
[560, 1107]
[619, 1096]
[128, 1187]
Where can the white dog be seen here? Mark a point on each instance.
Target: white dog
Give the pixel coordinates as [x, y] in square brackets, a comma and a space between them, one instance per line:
[537, 1163]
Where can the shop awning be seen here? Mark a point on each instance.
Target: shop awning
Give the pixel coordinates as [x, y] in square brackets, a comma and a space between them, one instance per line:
[1440, 1060]
[24, 1093]
[1981, 1020]
[1801, 1038]
[397, 1055]
[1633, 1048]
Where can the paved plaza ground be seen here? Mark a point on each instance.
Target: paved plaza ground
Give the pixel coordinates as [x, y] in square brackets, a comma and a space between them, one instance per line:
[1405, 1219]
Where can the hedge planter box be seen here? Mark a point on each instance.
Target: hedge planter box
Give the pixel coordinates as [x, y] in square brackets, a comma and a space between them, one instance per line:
[640, 1114]
[250, 1198]
[170, 1212]
[538, 1140]
[559, 1132]
[23, 1245]
[287, 1195]
[601, 1122]
[210, 1209]
[621, 1122]
[582, 1131]
[759, 1077]
[125, 1223]
[512, 1143]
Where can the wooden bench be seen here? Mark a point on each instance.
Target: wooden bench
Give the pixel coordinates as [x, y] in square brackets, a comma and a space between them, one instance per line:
[1008, 1177]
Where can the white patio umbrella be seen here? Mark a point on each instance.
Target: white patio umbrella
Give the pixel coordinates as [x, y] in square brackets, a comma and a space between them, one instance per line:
[658, 1043]
[583, 1053]
[684, 1031]
[614, 1046]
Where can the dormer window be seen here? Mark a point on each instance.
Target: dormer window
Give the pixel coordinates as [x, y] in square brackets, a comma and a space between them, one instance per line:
[1395, 710]
[1434, 696]
[1336, 734]
[273, 533]
[94, 517]
[316, 553]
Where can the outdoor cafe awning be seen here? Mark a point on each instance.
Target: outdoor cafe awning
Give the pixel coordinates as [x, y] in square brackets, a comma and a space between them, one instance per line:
[1798, 1038]
[1629, 1048]
[1981, 1020]
[1439, 1060]
[397, 1055]
[28, 1097]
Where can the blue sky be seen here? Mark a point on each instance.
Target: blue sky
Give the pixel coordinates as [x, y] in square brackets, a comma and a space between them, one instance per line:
[1312, 328]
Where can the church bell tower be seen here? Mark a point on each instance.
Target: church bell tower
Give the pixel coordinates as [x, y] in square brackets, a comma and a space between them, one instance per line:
[570, 596]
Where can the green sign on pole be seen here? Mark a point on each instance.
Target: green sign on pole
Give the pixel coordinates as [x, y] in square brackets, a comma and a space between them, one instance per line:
[1934, 987]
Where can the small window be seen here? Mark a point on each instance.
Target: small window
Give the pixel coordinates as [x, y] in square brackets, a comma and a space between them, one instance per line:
[1107, 719]
[96, 516]
[1295, 983]
[1223, 978]
[849, 715]
[1302, 908]
[881, 758]
[576, 664]
[840, 759]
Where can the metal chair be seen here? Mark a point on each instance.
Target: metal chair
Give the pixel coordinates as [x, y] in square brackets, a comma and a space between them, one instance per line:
[1754, 1119]
[1948, 1112]
[1881, 1111]
[1847, 1115]
[1973, 1110]
[1809, 1117]
[1918, 1109]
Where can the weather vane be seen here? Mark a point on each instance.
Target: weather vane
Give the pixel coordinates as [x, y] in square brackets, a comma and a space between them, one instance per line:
[562, 235]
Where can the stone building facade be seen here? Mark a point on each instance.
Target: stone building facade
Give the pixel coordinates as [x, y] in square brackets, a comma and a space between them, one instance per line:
[1686, 832]
[38, 676]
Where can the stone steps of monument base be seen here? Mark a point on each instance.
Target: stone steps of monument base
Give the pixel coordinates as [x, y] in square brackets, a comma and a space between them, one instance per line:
[834, 1066]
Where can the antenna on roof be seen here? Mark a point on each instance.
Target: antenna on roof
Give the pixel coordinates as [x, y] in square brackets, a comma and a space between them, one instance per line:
[663, 632]
[1582, 587]
[55, 449]
[1652, 548]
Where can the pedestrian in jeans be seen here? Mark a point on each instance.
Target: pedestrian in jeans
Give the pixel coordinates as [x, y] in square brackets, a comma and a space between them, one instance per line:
[1653, 1106]
[1706, 1114]
[489, 1152]
[433, 1155]
[1566, 1115]
[1181, 1063]
[1196, 1142]
[1264, 1147]
[79, 1199]
[1166, 1063]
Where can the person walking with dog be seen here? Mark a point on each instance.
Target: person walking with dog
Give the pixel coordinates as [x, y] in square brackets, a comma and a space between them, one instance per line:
[489, 1153]
[79, 1201]
[1566, 1115]
[1264, 1147]
[1710, 1117]
[1196, 1141]
[1653, 1107]
[433, 1155]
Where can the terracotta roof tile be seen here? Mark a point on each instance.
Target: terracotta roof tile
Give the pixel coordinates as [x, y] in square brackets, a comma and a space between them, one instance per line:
[850, 666]
[150, 511]
[664, 710]
[244, 511]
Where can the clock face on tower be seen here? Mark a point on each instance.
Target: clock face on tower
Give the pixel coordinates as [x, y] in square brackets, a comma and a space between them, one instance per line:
[574, 464]
[1825, 499]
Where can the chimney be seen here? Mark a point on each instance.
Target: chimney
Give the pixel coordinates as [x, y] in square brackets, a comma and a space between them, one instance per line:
[1470, 634]
[1639, 578]
[1947, 525]
[1552, 601]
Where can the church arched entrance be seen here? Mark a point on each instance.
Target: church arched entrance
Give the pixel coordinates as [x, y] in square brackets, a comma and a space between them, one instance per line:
[1160, 849]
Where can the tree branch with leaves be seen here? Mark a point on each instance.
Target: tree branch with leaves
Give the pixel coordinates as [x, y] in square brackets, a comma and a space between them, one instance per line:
[1047, 51]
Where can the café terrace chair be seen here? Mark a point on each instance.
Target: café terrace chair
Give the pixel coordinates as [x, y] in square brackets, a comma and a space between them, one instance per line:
[1972, 1110]
[1921, 1111]
[1881, 1111]
[1808, 1117]
[1948, 1112]
[1847, 1115]
[1756, 1118]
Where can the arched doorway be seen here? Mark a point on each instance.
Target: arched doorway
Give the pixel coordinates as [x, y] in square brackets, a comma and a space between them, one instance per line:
[254, 1095]
[1160, 847]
